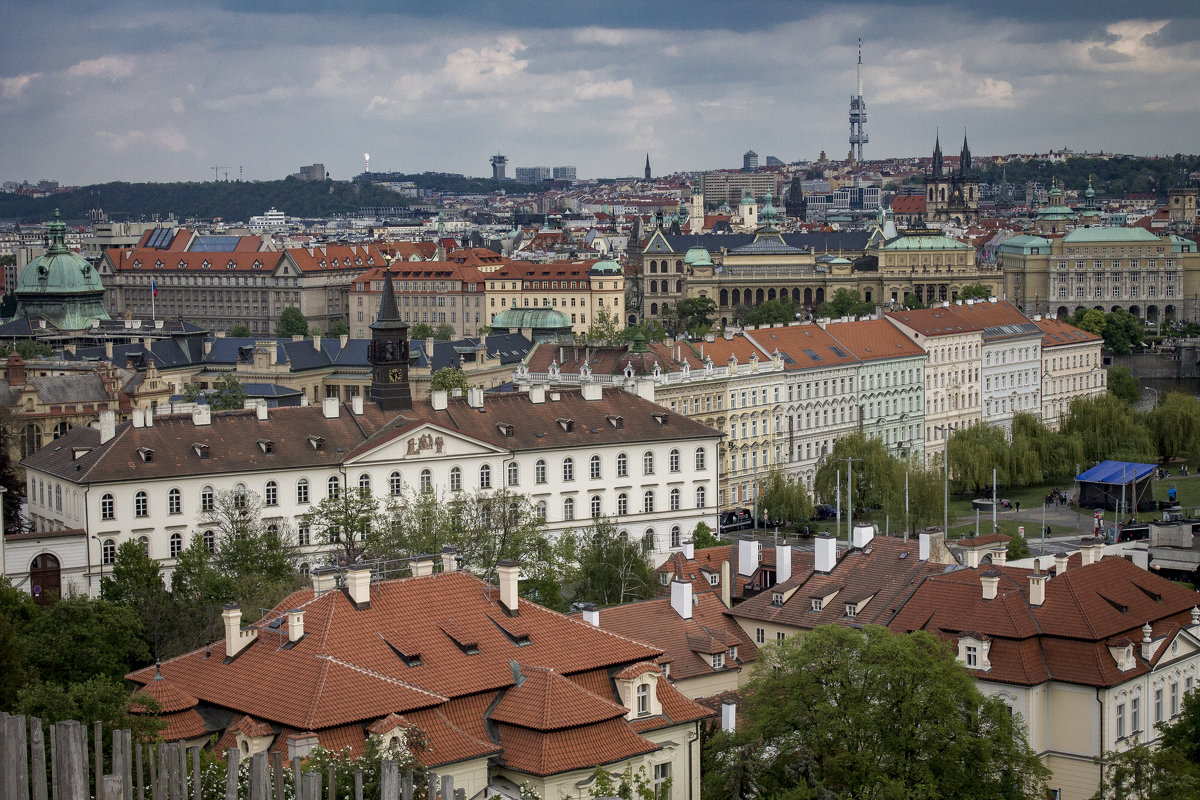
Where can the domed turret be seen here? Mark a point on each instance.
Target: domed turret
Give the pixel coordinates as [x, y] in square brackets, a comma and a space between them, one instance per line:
[697, 257]
[61, 287]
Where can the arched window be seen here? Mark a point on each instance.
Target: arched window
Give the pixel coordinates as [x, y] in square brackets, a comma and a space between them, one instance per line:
[334, 486]
[648, 501]
[144, 541]
[701, 497]
[455, 479]
[675, 499]
[569, 509]
[174, 502]
[649, 541]
[426, 481]
[57, 497]
[622, 504]
[514, 474]
[594, 467]
[539, 471]
[673, 461]
[701, 458]
[176, 544]
[622, 465]
[210, 541]
[271, 493]
[395, 484]
[108, 508]
[108, 551]
[364, 483]
[485, 476]
[643, 699]
[207, 498]
[568, 469]
[302, 490]
[141, 504]
[647, 463]
[239, 495]
[676, 536]
[541, 510]
[595, 506]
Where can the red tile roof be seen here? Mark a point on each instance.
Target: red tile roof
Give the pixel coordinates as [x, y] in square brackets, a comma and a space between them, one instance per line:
[546, 701]
[539, 753]
[872, 339]
[169, 697]
[183, 725]
[935, 321]
[1056, 333]
[808, 346]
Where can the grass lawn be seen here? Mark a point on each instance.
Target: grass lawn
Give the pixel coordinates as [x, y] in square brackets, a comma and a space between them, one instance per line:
[1030, 497]
[1189, 489]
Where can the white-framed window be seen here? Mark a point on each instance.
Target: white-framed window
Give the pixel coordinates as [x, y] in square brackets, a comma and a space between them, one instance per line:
[1174, 699]
[426, 479]
[568, 469]
[673, 461]
[622, 504]
[174, 502]
[595, 506]
[210, 541]
[364, 483]
[333, 486]
[141, 504]
[674, 499]
[648, 501]
[176, 544]
[676, 536]
[1135, 714]
[648, 463]
[144, 543]
[1158, 705]
[108, 507]
[539, 471]
[514, 474]
[701, 458]
[1121, 721]
[662, 780]
[718, 660]
[594, 467]
[271, 494]
[304, 535]
[622, 465]
[569, 509]
[108, 551]
[701, 497]
[485, 476]
[643, 699]
[972, 656]
[760, 636]
[455, 479]
[301, 491]
[395, 484]
[541, 510]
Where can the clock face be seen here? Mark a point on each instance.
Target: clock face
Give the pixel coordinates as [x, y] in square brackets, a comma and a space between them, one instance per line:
[396, 375]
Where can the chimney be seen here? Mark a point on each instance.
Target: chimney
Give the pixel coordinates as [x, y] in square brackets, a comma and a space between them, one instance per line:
[358, 586]
[1085, 555]
[971, 557]
[537, 394]
[236, 639]
[991, 584]
[439, 400]
[323, 579]
[139, 418]
[923, 546]
[1060, 563]
[825, 556]
[591, 615]
[783, 562]
[591, 391]
[149, 417]
[343, 340]
[507, 572]
[422, 566]
[108, 349]
[689, 550]
[1037, 589]
[726, 585]
[749, 556]
[260, 410]
[1097, 553]
[449, 559]
[316, 339]
[728, 716]
[475, 397]
[295, 623]
[999, 557]
[862, 536]
[330, 407]
[201, 416]
[108, 426]
[681, 598]
[356, 405]
[15, 369]
[304, 401]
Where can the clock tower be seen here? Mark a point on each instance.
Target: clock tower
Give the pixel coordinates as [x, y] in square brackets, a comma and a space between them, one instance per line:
[388, 354]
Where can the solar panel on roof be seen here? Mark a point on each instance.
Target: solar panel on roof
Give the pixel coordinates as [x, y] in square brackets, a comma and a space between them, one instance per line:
[160, 238]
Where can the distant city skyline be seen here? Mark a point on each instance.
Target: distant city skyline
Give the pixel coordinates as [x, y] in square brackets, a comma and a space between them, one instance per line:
[133, 91]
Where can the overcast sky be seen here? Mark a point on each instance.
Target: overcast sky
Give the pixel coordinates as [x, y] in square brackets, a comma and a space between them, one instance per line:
[164, 91]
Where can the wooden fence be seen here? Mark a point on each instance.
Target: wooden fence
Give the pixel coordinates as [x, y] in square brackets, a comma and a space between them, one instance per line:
[163, 771]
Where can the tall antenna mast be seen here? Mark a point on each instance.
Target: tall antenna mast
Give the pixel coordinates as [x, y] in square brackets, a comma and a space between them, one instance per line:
[858, 115]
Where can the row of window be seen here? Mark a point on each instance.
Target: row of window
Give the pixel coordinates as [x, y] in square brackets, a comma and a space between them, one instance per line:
[596, 506]
[1135, 709]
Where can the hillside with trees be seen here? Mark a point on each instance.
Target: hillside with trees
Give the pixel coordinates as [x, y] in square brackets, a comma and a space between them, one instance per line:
[1111, 177]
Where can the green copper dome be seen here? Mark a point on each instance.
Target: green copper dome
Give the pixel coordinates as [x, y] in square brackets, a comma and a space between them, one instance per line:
[697, 257]
[606, 267]
[537, 318]
[60, 286]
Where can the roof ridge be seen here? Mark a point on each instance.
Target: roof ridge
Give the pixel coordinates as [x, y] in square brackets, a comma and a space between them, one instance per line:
[374, 674]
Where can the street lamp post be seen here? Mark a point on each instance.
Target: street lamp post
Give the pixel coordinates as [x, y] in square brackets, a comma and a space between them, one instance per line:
[945, 480]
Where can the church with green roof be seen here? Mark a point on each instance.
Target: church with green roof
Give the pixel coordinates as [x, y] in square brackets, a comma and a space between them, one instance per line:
[61, 287]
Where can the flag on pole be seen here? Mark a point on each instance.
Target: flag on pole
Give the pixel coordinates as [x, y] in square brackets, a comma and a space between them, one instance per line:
[153, 288]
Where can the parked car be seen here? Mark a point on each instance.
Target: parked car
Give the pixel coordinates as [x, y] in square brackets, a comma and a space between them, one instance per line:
[824, 511]
[736, 519]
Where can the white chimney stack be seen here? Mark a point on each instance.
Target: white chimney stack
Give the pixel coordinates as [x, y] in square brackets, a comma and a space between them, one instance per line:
[1037, 589]
[537, 394]
[689, 549]
[149, 417]
[999, 557]
[358, 586]
[972, 558]
[783, 562]
[201, 415]
[508, 571]
[825, 556]
[356, 405]
[317, 342]
[295, 623]
[863, 534]
[728, 716]
[592, 391]
[991, 584]
[108, 426]
[681, 598]
[260, 410]
[323, 579]
[1060, 563]
[139, 418]
[439, 400]
[591, 615]
[475, 397]
[422, 565]
[236, 639]
[330, 407]
[749, 556]
[923, 546]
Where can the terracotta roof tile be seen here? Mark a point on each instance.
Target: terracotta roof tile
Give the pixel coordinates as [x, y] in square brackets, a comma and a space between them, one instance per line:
[183, 725]
[574, 748]
[170, 698]
[546, 701]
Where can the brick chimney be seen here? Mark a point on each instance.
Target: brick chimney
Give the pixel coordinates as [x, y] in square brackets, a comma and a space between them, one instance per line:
[508, 571]
[15, 369]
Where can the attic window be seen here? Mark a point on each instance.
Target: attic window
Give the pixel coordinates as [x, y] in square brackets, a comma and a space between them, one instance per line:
[137, 264]
[230, 265]
[410, 659]
[851, 609]
[317, 442]
[660, 418]
[182, 264]
[158, 264]
[505, 429]
[201, 449]
[266, 445]
[146, 453]
[1153, 595]
[776, 598]
[817, 603]
[205, 264]
[615, 420]
[1119, 606]
[567, 425]
[516, 633]
[79, 452]
[257, 264]
[466, 642]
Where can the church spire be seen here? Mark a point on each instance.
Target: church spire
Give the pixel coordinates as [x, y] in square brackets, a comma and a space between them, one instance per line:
[648, 166]
[937, 156]
[388, 353]
[964, 158]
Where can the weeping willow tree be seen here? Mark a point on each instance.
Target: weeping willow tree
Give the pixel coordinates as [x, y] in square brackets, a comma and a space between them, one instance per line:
[879, 480]
[1034, 454]
[1107, 429]
[1175, 425]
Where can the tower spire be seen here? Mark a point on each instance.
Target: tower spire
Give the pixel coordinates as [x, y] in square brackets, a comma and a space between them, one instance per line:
[858, 115]
[388, 352]
[648, 166]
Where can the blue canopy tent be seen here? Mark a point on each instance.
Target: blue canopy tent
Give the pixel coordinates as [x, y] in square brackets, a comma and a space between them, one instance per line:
[1103, 485]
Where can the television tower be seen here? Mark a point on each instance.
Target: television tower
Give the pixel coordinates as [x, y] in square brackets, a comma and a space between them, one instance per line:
[858, 115]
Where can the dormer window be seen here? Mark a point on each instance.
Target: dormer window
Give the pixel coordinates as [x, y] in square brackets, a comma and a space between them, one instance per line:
[505, 429]
[718, 660]
[146, 453]
[230, 265]
[257, 264]
[660, 418]
[851, 609]
[205, 265]
[266, 445]
[816, 603]
[317, 442]
[777, 599]
[158, 264]
[615, 420]
[567, 425]
[973, 652]
[201, 449]
[643, 699]
[714, 579]
[732, 654]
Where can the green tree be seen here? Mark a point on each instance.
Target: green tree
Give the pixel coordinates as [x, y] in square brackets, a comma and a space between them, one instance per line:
[785, 498]
[771, 312]
[845, 303]
[136, 583]
[338, 328]
[845, 712]
[1147, 773]
[704, 537]
[239, 331]
[11, 500]
[448, 378]
[911, 301]
[1175, 425]
[1122, 384]
[695, 315]
[17, 611]
[606, 567]
[100, 698]
[27, 349]
[879, 480]
[1091, 320]
[227, 393]
[78, 638]
[421, 330]
[974, 291]
[1123, 331]
[444, 332]
[1105, 429]
[605, 329]
[199, 590]
[1017, 548]
[344, 520]
[291, 323]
